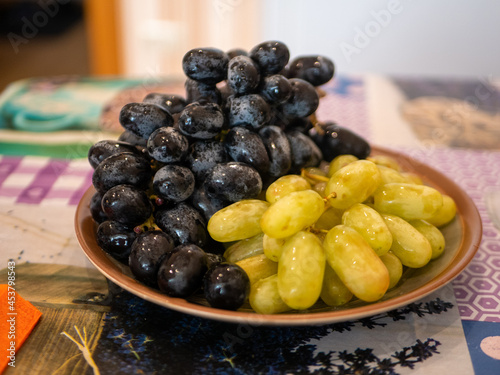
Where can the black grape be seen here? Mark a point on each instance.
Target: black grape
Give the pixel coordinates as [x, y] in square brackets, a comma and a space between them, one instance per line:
[243, 75]
[167, 145]
[204, 155]
[96, 208]
[125, 168]
[233, 181]
[305, 153]
[201, 92]
[174, 183]
[278, 118]
[248, 110]
[236, 52]
[168, 102]
[206, 205]
[226, 286]
[278, 150]
[317, 70]
[147, 252]
[245, 146]
[183, 223]
[301, 124]
[102, 149]
[201, 121]
[304, 99]
[271, 56]
[116, 239]
[276, 89]
[129, 137]
[337, 140]
[127, 205]
[144, 118]
[181, 273]
[213, 259]
[207, 65]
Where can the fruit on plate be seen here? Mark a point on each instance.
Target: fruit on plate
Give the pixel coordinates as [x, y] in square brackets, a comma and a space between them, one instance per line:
[364, 247]
[237, 192]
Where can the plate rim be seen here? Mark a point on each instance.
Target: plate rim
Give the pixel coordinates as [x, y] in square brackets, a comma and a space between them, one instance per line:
[467, 213]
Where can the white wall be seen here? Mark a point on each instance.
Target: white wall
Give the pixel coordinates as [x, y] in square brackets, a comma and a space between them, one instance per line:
[416, 37]
[425, 37]
[157, 33]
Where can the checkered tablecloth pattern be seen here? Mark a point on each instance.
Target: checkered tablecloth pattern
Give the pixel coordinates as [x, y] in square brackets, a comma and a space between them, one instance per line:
[43, 180]
[477, 288]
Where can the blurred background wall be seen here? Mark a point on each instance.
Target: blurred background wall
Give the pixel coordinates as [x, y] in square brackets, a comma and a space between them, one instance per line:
[147, 38]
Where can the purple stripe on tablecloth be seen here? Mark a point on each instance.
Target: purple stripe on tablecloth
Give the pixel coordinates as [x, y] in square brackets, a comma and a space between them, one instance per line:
[43, 181]
[28, 169]
[7, 166]
[75, 198]
[9, 192]
[77, 172]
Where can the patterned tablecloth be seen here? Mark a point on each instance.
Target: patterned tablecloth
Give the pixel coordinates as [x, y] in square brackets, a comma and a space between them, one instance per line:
[452, 125]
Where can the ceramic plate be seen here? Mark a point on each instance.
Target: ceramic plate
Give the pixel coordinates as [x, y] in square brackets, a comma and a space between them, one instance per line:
[463, 236]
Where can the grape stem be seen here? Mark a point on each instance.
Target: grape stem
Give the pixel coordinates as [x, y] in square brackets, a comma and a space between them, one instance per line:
[148, 225]
[332, 195]
[222, 135]
[320, 92]
[317, 231]
[313, 176]
[316, 124]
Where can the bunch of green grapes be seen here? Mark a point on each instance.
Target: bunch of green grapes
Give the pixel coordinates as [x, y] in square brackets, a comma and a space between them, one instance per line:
[340, 231]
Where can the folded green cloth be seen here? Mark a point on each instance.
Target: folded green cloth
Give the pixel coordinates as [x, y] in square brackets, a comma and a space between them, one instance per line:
[58, 103]
[63, 116]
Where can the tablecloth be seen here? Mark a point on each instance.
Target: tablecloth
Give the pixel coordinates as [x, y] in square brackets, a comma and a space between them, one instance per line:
[450, 124]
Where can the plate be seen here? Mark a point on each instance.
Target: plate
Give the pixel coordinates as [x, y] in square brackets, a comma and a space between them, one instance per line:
[463, 236]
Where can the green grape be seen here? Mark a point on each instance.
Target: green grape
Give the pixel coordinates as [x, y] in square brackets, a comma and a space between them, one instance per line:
[352, 184]
[391, 175]
[237, 221]
[334, 292]
[330, 218]
[408, 201]
[284, 186]
[264, 296]
[385, 161]
[320, 188]
[433, 235]
[321, 235]
[273, 247]
[368, 222]
[245, 248]
[356, 263]
[292, 213]
[313, 175]
[258, 267]
[408, 244]
[412, 178]
[445, 213]
[325, 167]
[339, 162]
[394, 266]
[300, 270]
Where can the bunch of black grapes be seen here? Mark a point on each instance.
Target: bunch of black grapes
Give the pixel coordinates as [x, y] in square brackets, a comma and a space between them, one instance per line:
[248, 117]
